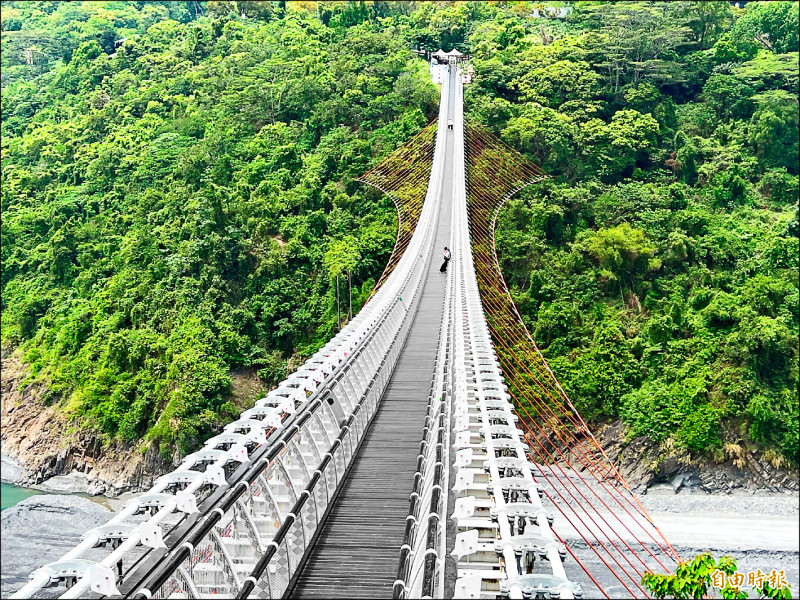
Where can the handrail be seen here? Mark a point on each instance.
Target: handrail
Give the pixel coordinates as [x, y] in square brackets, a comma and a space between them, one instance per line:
[489, 445]
[423, 553]
[367, 393]
[294, 449]
[409, 273]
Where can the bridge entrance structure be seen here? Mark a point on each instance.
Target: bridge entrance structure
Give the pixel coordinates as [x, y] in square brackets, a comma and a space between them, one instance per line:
[393, 463]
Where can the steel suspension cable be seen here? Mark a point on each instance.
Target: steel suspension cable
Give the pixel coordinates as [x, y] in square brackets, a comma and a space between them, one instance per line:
[582, 449]
[403, 176]
[495, 173]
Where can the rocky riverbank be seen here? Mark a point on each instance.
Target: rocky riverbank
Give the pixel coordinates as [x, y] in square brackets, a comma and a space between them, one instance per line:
[759, 532]
[736, 469]
[53, 455]
[11, 471]
[43, 449]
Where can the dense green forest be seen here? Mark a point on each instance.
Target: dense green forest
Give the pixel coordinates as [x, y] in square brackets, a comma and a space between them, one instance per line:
[658, 269]
[178, 206]
[167, 211]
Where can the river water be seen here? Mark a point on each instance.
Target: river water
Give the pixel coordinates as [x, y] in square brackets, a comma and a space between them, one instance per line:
[11, 494]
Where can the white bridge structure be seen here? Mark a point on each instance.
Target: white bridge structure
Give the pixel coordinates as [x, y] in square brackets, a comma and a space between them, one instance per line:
[390, 464]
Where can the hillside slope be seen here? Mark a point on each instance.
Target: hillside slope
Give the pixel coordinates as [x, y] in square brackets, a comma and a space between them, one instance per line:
[177, 207]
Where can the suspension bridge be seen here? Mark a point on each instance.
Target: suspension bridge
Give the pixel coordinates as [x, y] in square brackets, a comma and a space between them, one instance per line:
[426, 451]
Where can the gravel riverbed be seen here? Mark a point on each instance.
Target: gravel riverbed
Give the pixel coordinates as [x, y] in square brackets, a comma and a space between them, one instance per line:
[759, 531]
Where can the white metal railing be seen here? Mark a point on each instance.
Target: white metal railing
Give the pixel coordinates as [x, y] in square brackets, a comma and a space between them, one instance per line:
[420, 572]
[239, 515]
[263, 461]
[497, 505]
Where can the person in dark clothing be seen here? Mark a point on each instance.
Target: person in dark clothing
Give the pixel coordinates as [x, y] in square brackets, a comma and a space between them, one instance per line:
[443, 268]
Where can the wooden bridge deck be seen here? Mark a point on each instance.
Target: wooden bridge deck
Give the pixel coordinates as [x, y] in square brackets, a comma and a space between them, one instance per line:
[358, 549]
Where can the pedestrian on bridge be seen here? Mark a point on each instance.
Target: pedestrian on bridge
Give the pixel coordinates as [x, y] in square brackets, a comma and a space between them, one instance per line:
[447, 255]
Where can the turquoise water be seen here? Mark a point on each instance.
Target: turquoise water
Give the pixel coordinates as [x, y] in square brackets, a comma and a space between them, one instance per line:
[11, 495]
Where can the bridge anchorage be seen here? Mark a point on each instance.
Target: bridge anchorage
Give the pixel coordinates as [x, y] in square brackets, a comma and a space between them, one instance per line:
[422, 452]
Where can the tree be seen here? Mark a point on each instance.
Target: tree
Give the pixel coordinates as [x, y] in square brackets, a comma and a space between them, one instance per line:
[692, 578]
[643, 97]
[641, 41]
[262, 10]
[558, 82]
[707, 19]
[729, 97]
[342, 257]
[615, 147]
[769, 71]
[774, 129]
[177, 234]
[730, 49]
[621, 251]
[775, 25]
[545, 134]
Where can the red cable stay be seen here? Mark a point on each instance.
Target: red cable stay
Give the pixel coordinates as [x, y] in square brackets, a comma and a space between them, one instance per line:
[584, 485]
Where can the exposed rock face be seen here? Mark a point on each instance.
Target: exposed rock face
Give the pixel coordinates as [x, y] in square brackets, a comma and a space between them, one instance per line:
[644, 463]
[39, 437]
[39, 530]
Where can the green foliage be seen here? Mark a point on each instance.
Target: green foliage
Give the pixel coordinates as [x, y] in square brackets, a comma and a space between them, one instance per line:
[178, 210]
[692, 579]
[680, 408]
[181, 207]
[607, 371]
[734, 49]
[774, 129]
[658, 271]
[729, 97]
[707, 20]
[38, 36]
[773, 24]
[273, 368]
[622, 250]
[770, 71]
[767, 591]
[547, 135]
[613, 149]
[342, 257]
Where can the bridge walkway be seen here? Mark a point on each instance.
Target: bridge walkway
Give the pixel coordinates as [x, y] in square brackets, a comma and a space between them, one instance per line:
[357, 552]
